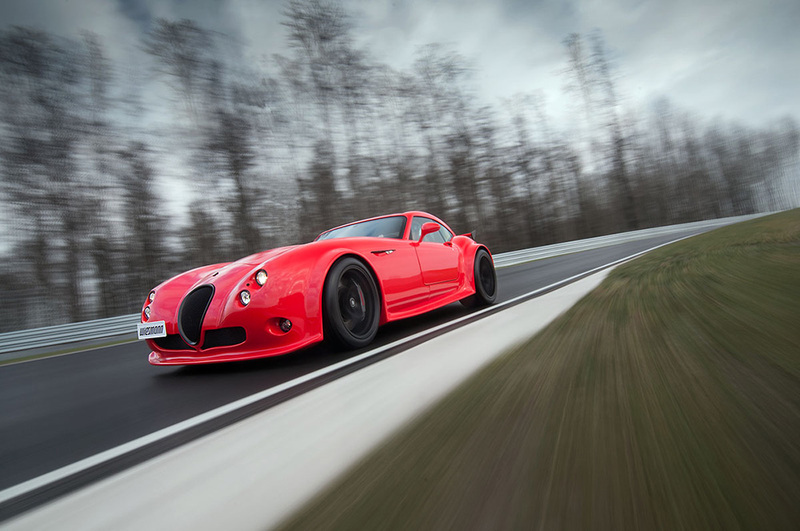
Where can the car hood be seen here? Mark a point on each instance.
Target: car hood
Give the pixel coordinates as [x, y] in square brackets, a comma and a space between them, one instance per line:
[228, 276]
[263, 256]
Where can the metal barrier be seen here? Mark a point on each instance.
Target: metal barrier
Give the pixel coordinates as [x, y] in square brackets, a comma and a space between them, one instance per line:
[126, 324]
[547, 251]
[50, 336]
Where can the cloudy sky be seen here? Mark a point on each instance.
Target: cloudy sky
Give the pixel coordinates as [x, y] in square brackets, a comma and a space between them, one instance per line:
[733, 59]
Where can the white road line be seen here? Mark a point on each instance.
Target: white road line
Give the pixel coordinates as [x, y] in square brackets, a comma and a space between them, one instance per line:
[89, 462]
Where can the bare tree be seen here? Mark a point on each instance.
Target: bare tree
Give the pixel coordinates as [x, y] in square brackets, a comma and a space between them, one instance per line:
[55, 200]
[589, 75]
[438, 74]
[319, 32]
[616, 136]
[185, 55]
[223, 113]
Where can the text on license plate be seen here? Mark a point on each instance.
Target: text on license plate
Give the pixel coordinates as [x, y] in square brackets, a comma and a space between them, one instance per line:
[151, 330]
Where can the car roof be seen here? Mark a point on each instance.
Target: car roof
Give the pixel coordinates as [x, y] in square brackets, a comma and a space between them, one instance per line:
[404, 214]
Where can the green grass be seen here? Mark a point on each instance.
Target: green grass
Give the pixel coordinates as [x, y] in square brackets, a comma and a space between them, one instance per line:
[668, 398]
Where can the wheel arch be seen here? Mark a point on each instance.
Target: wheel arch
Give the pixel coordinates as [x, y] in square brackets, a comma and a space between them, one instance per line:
[350, 254]
[469, 265]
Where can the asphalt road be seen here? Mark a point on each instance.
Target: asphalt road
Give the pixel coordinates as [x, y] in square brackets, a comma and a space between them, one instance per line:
[56, 411]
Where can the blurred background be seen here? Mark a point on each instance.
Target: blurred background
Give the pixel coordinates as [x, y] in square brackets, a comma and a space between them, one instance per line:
[140, 138]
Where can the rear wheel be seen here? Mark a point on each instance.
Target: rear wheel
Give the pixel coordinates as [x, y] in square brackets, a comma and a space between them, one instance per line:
[351, 304]
[485, 281]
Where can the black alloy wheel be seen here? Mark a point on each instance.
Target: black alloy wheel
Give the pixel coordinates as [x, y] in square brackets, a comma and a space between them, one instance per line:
[351, 304]
[485, 281]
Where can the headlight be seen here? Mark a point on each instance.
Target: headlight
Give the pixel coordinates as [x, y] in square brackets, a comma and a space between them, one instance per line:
[152, 296]
[244, 297]
[147, 313]
[261, 277]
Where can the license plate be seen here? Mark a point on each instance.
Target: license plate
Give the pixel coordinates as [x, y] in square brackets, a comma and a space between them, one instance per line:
[152, 330]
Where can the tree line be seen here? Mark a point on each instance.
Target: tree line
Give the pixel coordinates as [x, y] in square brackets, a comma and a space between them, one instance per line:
[262, 154]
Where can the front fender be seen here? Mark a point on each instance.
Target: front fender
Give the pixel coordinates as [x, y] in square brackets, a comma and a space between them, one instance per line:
[304, 273]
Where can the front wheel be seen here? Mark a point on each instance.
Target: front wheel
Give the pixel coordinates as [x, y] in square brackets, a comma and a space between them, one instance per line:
[485, 281]
[351, 304]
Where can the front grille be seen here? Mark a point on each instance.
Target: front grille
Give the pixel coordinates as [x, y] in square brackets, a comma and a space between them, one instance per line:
[193, 310]
[172, 342]
[224, 337]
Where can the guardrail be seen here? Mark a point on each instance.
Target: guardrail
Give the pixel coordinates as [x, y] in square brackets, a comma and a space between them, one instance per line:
[51, 336]
[110, 327]
[548, 251]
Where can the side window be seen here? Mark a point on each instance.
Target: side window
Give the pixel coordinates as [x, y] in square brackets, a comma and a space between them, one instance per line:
[434, 237]
[416, 228]
[443, 235]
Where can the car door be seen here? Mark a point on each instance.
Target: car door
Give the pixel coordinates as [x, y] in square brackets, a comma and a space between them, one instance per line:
[437, 256]
[397, 266]
[394, 260]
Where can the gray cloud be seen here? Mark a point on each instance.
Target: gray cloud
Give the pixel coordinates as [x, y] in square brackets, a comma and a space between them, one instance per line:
[733, 59]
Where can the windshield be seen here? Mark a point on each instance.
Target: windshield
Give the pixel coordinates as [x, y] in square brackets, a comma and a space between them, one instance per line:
[392, 227]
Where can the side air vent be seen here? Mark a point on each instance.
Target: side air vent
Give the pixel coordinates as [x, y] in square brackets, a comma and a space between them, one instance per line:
[193, 310]
[224, 337]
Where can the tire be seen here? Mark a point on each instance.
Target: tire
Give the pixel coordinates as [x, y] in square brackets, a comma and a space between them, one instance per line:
[351, 304]
[485, 281]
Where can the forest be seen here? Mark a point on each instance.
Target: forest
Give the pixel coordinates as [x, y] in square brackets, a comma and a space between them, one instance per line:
[108, 188]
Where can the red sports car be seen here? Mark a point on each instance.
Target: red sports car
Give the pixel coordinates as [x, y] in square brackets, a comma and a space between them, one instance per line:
[340, 287]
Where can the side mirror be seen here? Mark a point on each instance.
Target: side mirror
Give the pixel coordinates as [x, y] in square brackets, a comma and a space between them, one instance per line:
[428, 228]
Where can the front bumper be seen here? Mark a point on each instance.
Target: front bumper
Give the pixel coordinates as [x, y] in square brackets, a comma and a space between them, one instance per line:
[225, 354]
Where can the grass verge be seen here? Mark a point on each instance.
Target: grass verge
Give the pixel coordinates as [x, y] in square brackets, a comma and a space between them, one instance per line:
[668, 398]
